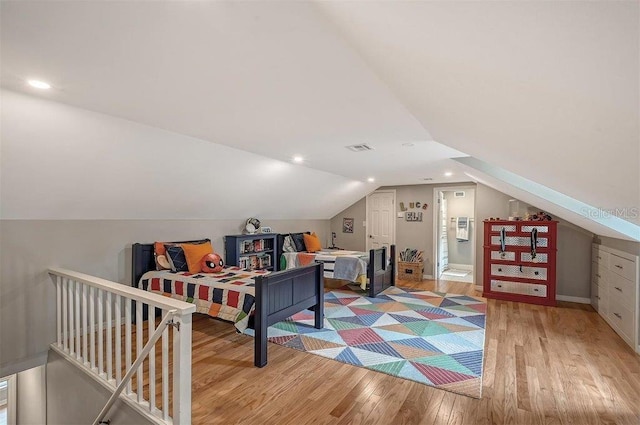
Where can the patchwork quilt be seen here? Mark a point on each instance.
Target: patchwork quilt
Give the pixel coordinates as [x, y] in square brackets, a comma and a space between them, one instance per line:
[346, 265]
[228, 295]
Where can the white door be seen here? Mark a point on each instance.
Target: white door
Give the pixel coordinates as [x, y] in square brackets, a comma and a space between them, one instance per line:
[443, 245]
[381, 220]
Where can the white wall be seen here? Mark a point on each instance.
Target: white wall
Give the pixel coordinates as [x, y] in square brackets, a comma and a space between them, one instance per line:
[62, 162]
[31, 396]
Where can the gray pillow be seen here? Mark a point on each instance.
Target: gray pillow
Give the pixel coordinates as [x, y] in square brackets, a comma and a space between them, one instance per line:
[298, 241]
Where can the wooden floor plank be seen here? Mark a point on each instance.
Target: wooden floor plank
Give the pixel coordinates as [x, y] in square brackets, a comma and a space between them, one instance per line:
[543, 365]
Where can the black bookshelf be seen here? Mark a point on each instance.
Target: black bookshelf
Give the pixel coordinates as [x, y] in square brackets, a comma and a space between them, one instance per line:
[252, 252]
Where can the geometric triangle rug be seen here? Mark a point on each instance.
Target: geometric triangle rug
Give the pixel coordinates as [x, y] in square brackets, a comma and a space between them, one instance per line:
[430, 337]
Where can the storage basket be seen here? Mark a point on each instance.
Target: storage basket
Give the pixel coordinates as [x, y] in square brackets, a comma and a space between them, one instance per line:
[410, 271]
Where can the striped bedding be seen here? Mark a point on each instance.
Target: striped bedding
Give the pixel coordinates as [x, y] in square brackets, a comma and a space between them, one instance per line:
[346, 265]
[228, 295]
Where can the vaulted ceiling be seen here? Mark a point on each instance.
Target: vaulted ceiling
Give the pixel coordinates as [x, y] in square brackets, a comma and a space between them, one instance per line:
[547, 90]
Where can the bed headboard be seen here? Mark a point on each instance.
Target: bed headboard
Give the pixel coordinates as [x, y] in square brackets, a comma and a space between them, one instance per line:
[280, 242]
[142, 260]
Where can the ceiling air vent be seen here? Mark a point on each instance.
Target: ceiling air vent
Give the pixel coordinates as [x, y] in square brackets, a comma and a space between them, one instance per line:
[458, 194]
[359, 148]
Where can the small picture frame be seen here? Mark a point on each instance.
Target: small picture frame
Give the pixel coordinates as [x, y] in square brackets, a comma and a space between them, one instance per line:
[265, 229]
[347, 225]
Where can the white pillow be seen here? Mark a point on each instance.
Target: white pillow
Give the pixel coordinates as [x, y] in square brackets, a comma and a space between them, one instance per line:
[288, 245]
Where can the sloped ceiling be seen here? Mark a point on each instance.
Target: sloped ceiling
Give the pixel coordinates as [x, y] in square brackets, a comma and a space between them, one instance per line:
[271, 78]
[547, 90]
[63, 162]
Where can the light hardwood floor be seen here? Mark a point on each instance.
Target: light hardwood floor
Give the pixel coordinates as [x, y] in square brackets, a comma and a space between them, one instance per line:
[542, 365]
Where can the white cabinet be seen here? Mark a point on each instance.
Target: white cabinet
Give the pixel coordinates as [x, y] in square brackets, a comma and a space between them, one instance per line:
[615, 291]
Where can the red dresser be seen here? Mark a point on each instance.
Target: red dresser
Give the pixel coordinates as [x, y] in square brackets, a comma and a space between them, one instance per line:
[520, 261]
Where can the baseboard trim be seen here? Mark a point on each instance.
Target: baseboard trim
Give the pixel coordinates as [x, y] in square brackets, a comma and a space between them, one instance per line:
[468, 267]
[479, 288]
[427, 276]
[579, 300]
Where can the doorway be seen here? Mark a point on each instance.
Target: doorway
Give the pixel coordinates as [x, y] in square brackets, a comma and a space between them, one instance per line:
[381, 220]
[454, 234]
[8, 400]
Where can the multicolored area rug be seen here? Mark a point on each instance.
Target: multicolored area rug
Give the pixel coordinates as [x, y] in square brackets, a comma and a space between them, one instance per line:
[429, 337]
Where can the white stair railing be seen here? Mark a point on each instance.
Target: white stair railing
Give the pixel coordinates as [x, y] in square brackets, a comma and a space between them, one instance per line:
[89, 322]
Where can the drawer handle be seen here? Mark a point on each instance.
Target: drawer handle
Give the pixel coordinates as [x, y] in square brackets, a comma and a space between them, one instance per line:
[536, 289]
[536, 273]
[598, 296]
[619, 266]
[617, 315]
[599, 257]
[618, 288]
[499, 269]
[598, 276]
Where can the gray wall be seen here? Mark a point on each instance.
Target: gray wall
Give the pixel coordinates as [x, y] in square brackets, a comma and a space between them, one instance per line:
[351, 241]
[574, 243]
[100, 248]
[418, 235]
[573, 272]
[415, 234]
[620, 244]
[76, 398]
[460, 252]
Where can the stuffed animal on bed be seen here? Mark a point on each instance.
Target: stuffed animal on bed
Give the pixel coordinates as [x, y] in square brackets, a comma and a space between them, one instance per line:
[212, 263]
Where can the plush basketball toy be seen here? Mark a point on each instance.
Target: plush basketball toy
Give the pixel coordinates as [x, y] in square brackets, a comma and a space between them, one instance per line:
[212, 263]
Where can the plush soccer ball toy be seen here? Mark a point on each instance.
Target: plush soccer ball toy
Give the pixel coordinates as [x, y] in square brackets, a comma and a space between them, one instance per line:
[212, 263]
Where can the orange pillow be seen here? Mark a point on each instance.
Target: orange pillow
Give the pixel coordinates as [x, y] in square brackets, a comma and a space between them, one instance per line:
[312, 242]
[194, 253]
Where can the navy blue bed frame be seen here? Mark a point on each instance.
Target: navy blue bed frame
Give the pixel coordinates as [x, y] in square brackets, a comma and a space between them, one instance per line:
[381, 271]
[278, 295]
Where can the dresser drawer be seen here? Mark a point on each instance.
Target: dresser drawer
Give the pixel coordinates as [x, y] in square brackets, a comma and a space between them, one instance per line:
[532, 289]
[599, 300]
[540, 229]
[507, 256]
[540, 258]
[599, 256]
[525, 272]
[622, 266]
[599, 274]
[621, 318]
[623, 290]
[507, 227]
[519, 241]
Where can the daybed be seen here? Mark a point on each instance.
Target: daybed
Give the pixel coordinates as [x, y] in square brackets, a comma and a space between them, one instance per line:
[236, 295]
[373, 271]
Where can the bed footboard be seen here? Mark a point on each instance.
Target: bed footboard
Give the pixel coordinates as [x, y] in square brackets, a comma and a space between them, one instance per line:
[282, 294]
[381, 272]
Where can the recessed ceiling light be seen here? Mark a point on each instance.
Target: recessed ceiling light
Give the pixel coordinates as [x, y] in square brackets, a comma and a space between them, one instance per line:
[371, 179]
[408, 145]
[427, 179]
[298, 159]
[39, 84]
[448, 174]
